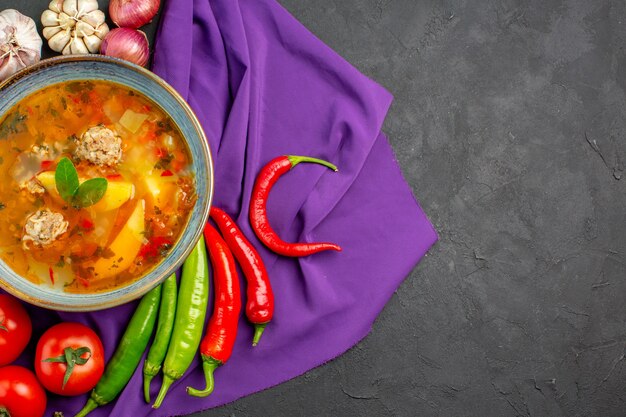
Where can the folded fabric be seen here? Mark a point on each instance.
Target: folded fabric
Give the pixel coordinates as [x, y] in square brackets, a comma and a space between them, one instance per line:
[263, 86]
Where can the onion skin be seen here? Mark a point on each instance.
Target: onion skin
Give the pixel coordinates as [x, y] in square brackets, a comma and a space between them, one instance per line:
[133, 13]
[125, 43]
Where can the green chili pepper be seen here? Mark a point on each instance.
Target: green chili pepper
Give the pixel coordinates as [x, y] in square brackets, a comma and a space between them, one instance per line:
[165, 325]
[126, 358]
[193, 297]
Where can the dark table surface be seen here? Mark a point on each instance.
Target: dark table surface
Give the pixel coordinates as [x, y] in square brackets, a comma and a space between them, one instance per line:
[509, 124]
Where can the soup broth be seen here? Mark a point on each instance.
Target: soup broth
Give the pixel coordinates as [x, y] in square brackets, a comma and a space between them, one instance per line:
[107, 131]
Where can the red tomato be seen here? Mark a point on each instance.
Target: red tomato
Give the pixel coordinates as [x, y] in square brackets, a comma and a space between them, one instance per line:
[86, 367]
[20, 393]
[15, 329]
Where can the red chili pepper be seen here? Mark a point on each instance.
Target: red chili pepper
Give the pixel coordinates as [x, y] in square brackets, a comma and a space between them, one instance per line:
[45, 165]
[167, 173]
[86, 224]
[258, 207]
[51, 273]
[114, 176]
[154, 246]
[160, 152]
[260, 297]
[217, 344]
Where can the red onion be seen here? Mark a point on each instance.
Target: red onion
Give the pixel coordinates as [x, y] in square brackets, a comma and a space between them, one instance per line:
[128, 44]
[133, 13]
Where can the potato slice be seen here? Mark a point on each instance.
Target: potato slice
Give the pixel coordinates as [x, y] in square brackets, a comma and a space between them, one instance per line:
[118, 192]
[162, 190]
[124, 247]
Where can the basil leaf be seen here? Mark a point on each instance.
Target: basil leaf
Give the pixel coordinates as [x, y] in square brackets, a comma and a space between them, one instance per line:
[66, 179]
[90, 192]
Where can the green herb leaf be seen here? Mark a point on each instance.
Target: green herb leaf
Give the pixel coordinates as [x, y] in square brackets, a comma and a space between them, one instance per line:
[90, 192]
[66, 179]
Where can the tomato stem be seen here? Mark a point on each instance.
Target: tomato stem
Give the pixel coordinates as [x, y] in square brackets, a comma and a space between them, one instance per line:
[4, 412]
[2, 327]
[71, 357]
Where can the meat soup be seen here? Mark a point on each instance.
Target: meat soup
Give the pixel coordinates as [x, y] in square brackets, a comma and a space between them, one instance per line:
[96, 187]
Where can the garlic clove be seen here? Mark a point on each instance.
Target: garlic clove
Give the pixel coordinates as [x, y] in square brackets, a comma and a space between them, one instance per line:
[94, 18]
[49, 18]
[86, 6]
[70, 7]
[77, 46]
[51, 31]
[66, 21]
[68, 49]
[60, 40]
[102, 30]
[92, 43]
[56, 6]
[84, 29]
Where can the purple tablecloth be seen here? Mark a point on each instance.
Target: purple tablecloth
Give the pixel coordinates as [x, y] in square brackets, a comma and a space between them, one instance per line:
[263, 86]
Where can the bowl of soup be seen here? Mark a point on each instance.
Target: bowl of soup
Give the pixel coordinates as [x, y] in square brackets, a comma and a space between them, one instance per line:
[106, 183]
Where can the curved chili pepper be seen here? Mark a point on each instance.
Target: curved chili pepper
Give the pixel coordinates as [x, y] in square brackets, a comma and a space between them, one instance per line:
[217, 344]
[260, 297]
[165, 326]
[127, 355]
[258, 207]
[193, 297]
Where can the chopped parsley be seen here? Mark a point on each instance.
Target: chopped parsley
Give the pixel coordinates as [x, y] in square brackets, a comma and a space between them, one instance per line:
[14, 123]
[164, 162]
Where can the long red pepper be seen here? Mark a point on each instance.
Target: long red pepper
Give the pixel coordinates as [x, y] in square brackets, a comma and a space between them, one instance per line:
[217, 344]
[260, 297]
[258, 207]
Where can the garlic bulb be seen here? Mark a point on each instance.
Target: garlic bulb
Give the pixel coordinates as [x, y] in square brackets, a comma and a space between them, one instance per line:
[74, 26]
[20, 44]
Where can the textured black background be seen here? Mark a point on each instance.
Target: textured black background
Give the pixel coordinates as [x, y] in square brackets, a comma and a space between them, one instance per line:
[509, 125]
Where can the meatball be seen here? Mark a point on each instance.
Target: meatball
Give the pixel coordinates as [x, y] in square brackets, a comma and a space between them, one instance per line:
[100, 146]
[44, 227]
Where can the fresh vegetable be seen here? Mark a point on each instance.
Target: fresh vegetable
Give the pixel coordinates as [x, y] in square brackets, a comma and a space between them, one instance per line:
[165, 326]
[124, 247]
[258, 207]
[260, 297]
[217, 344]
[20, 44]
[128, 353]
[69, 359]
[190, 314]
[21, 395]
[128, 44]
[15, 329]
[132, 121]
[72, 191]
[74, 26]
[133, 13]
[117, 192]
